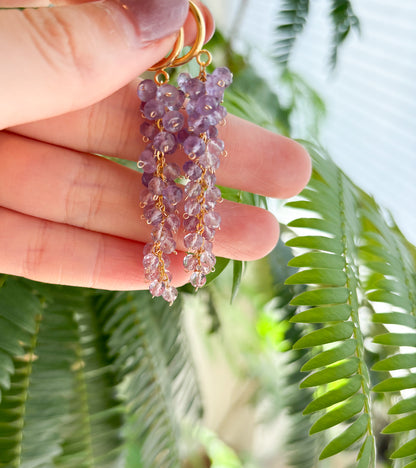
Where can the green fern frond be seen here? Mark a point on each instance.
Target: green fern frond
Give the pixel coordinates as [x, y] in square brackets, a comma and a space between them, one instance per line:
[344, 21]
[291, 20]
[150, 357]
[386, 250]
[331, 303]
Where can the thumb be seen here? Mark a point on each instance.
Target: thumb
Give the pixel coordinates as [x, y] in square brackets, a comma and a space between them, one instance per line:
[64, 58]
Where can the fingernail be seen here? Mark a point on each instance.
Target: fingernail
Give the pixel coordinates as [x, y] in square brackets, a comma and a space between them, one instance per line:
[154, 19]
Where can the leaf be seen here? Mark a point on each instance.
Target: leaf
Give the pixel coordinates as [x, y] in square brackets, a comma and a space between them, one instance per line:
[324, 276]
[340, 331]
[335, 313]
[318, 259]
[397, 361]
[347, 438]
[220, 265]
[396, 339]
[343, 391]
[238, 267]
[407, 449]
[404, 406]
[411, 465]
[394, 384]
[395, 318]
[330, 374]
[326, 244]
[366, 452]
[341, 413]
[389, 298]
[321, 296]
[407, 423]
[330, 356]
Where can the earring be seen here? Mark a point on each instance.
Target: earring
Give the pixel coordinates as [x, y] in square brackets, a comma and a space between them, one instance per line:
[183, 118]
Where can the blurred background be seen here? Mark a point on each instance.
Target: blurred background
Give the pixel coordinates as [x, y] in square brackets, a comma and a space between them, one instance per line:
[369, 127]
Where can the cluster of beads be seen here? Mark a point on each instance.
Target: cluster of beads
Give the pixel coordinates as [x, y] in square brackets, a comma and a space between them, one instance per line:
[165, 129]
[203, 148]
[160, 106]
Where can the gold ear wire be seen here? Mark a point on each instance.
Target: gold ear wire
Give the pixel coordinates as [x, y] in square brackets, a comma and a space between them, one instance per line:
[173, 59]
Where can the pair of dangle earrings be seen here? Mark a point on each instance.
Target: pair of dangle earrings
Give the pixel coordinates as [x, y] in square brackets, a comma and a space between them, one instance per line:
[181, 118]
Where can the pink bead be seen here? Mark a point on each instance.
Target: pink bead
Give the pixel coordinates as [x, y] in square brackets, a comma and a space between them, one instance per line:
[198, 279]
[150, 261]
[212, 219]
[193, 241]
[190, 262]
[156, 288]
[192, 207]
[170, 294]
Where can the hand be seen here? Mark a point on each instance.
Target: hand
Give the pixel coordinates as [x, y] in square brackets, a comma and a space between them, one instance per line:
[70, 217]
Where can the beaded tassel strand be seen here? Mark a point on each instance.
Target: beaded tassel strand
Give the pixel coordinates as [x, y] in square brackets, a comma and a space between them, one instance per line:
[160, 106]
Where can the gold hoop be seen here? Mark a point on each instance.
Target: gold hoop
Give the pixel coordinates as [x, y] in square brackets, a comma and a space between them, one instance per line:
[167, 61]
[200, 36]
[173, 59]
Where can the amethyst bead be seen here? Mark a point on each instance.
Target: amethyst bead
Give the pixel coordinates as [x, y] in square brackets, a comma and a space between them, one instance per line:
[147, 161]
[167, 94]
[193, 241]
[190, 224]
[156, 288]
[153, 110]
[192, 170]
[171, 171]
[148, 130]
[194, 146]
[146, 90]
[170, 294]
[207, 105]
[190, 262]
[192, 207]
[156, 185]
[173, 121]
[172, 194]
[198, 279]
[193, 87]
[164, 142]
[212, 219]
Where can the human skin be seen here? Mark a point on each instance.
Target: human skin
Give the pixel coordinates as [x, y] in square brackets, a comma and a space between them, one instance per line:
[70, 217]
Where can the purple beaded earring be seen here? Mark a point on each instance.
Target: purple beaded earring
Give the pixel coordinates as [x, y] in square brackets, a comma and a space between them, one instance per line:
[181, 118]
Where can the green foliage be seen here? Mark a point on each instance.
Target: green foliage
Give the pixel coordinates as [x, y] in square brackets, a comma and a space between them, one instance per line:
[353, 262]
[90, 379]
[293, 16]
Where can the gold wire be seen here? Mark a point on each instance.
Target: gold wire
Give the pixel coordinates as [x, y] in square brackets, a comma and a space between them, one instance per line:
[167, 61]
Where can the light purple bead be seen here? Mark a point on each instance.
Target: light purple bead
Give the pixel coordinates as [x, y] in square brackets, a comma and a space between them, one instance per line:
[182, 79]
[146, 177]
[147, 161]
[167, 94]
[193, 189]
[192, 170]
[171, 171]
[178, 104]
[146, 197]
[190, 224]
[193, 87]
[215, 146]
[170, 294]
[173, 121]
[173, 194]
[192, 207]
[146, 90]
[147, 248]
[150, 261]
[156, 288]
[209, 161]
[212, 132]
[208, 234]
[198, 279]
[190, 262]
[212, 219]
[210, 179]
[193, 241]
[148, 130]
[153, 215]
[198, 125]
[156, 185]
[206, 105]
[194, 146]
[207, 262]
[164, 142]
[167, 245]
[173, 222]
[153, 110]
[213, 194]
[208, 246]
[223, 76]
[152, 275]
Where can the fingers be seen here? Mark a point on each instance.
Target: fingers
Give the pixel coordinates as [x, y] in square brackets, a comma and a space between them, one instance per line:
[76, 55]
[258, 161]
[95, 194]
[59, 254]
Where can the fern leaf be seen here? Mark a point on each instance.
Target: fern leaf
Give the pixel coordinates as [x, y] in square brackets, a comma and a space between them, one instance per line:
[333, 295]
[291, 20]
[150, 356]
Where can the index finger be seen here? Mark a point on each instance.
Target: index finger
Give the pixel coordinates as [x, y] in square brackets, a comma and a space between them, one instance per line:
[258, 161]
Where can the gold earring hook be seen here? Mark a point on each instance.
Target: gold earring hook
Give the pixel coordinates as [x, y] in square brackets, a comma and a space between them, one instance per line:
[173, 59]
